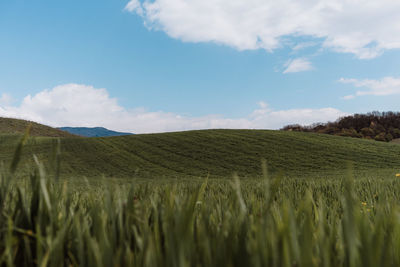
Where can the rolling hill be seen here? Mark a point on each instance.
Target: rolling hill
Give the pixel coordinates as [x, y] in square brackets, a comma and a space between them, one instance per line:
[17, 126]
[215, 152]
[92, 131]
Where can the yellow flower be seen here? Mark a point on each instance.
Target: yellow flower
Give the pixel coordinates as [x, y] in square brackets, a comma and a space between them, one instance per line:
[397, 174]
[364, 203]
[29, 232]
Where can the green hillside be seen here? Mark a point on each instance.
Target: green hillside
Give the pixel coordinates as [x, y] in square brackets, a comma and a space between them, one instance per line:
[217, 152]
[16, 126]
[396, 141]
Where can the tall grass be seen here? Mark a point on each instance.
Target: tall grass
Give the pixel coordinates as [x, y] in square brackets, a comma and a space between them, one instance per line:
[272, 221]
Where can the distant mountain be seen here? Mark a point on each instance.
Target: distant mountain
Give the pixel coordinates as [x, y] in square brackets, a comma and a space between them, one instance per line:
[92, 132]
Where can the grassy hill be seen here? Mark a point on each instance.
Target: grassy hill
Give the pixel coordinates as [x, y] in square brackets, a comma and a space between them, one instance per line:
[217, 152]
[16, 126]
[396, 141]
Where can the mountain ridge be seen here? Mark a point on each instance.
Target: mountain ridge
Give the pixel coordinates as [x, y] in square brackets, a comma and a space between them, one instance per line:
[93, 131]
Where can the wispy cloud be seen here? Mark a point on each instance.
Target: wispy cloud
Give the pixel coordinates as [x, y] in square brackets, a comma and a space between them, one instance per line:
[82, 105]
[348, 97]
[384, 87]
[134, 6]
[304, 45]
[297, 65]
[5, 99]
[364, 28]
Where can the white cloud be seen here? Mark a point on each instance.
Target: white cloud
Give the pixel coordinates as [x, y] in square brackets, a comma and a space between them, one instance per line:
[81, 105]
[297, 65]
[348, 97]
[134, 6]
[383, 87]
[5, 99]
[362, 27]
[304, 45]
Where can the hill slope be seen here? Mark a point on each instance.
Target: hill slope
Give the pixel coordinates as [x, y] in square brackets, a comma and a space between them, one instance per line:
[92, 131]
[218, 152]
[16, 126]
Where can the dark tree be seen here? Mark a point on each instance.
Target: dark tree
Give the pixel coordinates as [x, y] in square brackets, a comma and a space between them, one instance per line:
[381, 126]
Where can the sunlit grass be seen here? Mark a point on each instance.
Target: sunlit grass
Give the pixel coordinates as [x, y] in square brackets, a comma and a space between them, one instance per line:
[254, 222]
[274, 220]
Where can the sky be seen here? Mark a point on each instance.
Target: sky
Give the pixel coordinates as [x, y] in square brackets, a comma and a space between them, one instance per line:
[148, 66]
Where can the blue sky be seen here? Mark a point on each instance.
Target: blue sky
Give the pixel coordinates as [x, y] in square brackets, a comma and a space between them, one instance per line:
[167, 65]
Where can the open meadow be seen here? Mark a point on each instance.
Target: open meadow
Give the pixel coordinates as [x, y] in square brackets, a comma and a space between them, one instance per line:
[202, 198]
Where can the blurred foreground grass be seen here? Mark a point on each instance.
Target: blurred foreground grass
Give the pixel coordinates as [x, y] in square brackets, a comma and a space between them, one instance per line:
[253, 222]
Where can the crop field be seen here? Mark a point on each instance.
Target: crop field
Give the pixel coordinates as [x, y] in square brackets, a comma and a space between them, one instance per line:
[271, 221]
[217, 153]
[313, 200]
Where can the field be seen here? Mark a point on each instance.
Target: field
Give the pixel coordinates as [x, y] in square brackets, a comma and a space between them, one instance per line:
[217, 153]
[254, 222]
[199, 198]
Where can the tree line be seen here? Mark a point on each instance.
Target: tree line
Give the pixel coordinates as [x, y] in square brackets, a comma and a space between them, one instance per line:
[380, 126]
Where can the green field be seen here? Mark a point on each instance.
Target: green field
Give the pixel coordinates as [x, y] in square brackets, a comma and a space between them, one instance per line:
[199, 198]
[217, 153]
[270, 221]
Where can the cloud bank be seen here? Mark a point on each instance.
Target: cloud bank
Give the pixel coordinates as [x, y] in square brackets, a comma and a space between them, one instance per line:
[384, 87]
[364, 28]
[82, 105]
